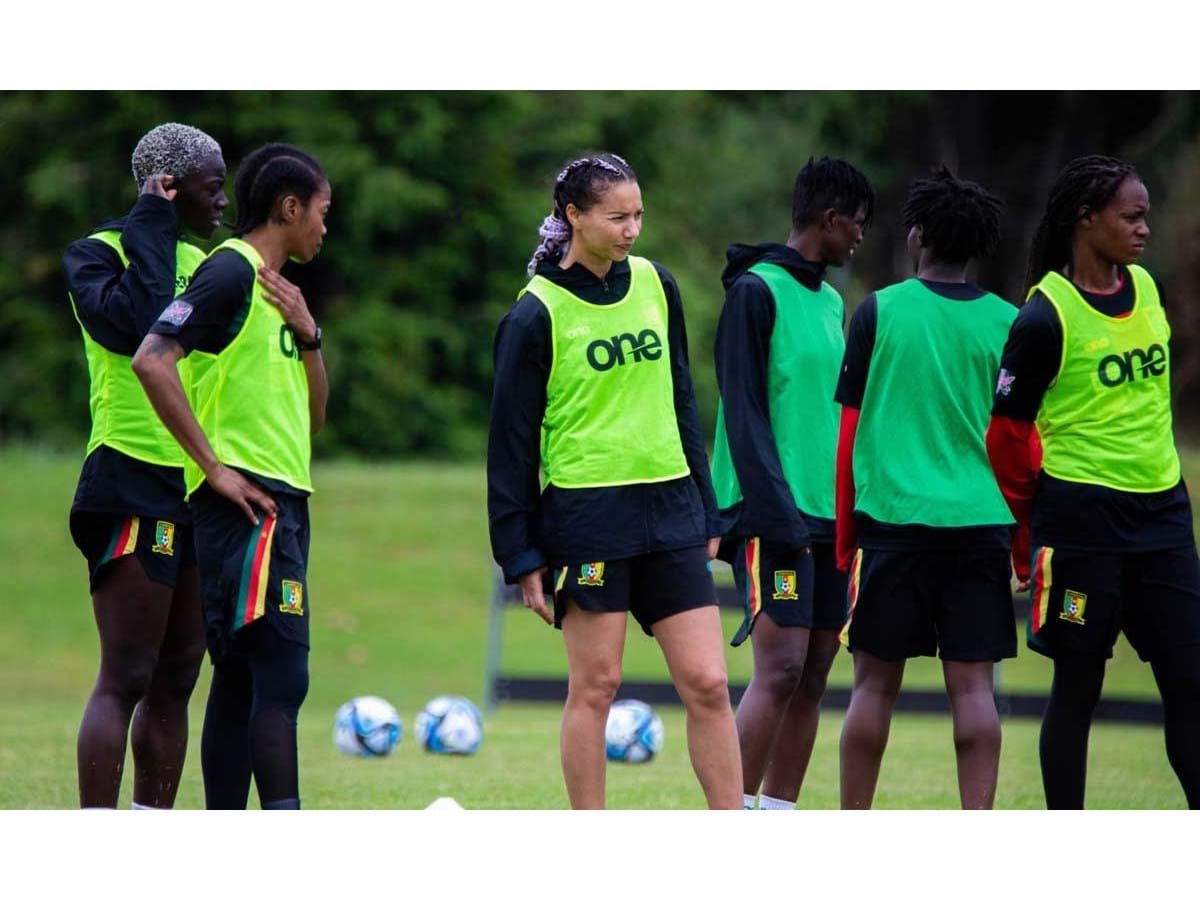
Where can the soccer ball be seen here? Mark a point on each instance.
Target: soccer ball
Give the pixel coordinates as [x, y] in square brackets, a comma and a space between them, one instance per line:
[634, 733]
[449, 725]
[366, 726]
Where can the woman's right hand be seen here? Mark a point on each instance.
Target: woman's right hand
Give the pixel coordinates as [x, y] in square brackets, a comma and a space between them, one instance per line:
[238, 489]
[531, 593]
[160, 186]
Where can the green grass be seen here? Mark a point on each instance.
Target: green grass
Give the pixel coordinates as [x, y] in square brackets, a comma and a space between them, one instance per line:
[399, 582]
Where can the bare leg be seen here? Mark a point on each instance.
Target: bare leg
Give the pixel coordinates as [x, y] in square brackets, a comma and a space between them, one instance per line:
[779, 654]
[693, 646]
[976, 731]
[798, 733]
[595, 643]
[160, 725]
[131, 616]
[868, 721]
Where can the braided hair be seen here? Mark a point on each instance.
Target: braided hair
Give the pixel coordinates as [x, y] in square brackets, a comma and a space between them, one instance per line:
[171, 148]
[959, 220]
[266, 175]
[830, 184]
[1085, 185]
[580, 184]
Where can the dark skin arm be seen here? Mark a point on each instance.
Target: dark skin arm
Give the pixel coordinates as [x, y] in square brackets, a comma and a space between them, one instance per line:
[289, 300]
[155, 366]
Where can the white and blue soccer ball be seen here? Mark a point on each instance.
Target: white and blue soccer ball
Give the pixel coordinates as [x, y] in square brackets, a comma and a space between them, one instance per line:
[634, 733]
[449, 725]
[367, 726]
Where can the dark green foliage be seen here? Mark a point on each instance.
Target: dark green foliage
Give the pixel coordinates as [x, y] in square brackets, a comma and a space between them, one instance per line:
[437, 198]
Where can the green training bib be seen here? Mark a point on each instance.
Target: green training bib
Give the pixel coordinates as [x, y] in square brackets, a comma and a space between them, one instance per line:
[919, 454]
[805, 357]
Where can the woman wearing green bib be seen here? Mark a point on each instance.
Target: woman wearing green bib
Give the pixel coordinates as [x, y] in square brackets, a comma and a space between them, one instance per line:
[592, 385]
[258, 394]
[129, 517]
[921, 524]
[778, 353]
[1088, 364]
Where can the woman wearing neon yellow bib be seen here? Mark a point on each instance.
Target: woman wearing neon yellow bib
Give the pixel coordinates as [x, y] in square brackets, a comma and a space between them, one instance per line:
[258, 394]
[129, 517]
[592, 384]
[1088, 362]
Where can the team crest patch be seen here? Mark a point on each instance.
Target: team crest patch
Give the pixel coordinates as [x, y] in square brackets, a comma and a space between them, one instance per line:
[785, 586]
[164, 539]
[293, 598]
[591, 574]
[1073, 606]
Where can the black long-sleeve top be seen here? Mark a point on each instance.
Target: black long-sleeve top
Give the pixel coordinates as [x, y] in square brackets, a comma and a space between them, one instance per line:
[116, 305]
[1116, 520]
[742, 354]
[531, 528]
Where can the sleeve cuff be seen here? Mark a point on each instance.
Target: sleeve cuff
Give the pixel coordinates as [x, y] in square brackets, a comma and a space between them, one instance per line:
[522, 564]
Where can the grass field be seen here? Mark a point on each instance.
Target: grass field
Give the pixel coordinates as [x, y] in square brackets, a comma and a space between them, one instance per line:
[399, 580]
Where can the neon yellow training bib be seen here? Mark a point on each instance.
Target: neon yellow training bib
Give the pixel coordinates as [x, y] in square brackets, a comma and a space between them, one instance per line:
[610, 401]
[122, 417]
[251, 399]
[1106, 418]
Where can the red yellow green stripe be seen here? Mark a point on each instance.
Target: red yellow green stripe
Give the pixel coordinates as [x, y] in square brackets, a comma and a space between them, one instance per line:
[255, 570]
[562, 579]
[852, 587]
[124, 539]
[753, 588]
[1043, 578]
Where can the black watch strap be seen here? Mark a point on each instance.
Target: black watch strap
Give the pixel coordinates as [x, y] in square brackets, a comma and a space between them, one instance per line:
[315, 344]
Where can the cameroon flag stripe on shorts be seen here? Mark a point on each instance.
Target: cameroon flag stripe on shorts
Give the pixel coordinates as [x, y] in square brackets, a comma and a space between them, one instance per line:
[124, 539]
[753, 589]
[852, 589]
[251, 603]
[1043, 577]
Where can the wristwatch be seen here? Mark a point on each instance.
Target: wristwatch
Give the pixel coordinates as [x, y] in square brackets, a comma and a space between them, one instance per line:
[315, 344]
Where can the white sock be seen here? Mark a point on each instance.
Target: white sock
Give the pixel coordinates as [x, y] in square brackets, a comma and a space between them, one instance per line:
[748, 801]
[771, 803]
[139, 806]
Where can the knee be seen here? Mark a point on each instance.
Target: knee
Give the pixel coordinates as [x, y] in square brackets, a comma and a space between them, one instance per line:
[815, 679]
[780, 678]
[706, 688]
[175, 675]
[129, 676]
[595, 688]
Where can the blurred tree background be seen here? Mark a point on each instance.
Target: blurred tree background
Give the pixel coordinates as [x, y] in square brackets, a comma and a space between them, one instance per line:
[438, 196]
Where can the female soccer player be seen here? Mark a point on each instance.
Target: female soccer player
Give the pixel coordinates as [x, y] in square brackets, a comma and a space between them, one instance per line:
[129, 518]
[918, 509]
[1088, 361]
[592, 383]
[259, 393]
[778, 354]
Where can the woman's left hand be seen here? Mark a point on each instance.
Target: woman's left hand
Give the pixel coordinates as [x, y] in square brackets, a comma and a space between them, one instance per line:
[289, 300]
[714, 544]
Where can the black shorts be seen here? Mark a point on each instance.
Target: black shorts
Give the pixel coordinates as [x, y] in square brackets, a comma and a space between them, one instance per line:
[1081, 599]
[251, 572]
[652, 586]
[795, 586]
[956, 604]
[162, 547]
